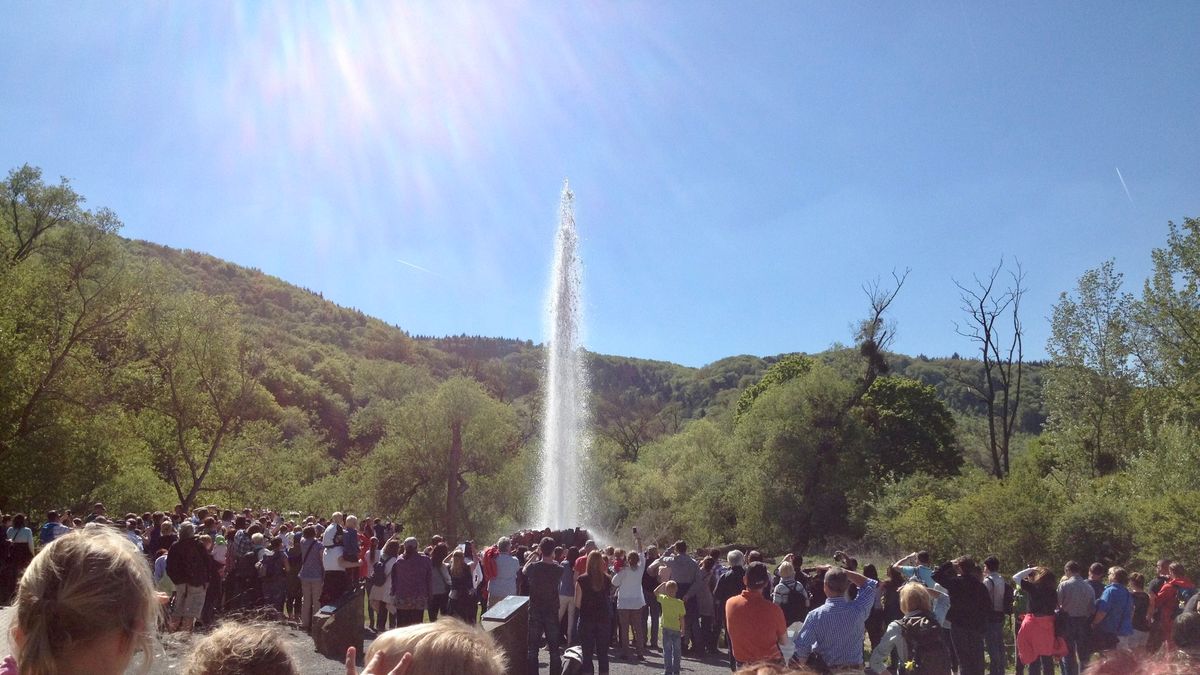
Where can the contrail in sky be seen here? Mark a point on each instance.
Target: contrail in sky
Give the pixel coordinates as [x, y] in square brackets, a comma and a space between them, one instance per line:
[1127, 195]
[417, 267]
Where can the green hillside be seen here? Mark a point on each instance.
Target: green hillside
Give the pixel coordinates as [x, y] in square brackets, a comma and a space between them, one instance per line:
[142, 376]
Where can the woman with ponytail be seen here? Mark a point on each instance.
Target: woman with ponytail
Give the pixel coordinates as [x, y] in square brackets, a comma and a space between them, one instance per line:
[86, 604]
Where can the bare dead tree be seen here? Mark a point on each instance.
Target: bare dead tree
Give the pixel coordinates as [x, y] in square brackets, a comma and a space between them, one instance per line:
[1002, 353]
[876, 333]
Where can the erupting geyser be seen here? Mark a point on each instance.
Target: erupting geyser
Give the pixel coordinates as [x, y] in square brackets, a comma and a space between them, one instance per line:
[565, 436]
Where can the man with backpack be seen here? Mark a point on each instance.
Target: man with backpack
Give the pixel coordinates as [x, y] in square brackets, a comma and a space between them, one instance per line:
[1001, 594]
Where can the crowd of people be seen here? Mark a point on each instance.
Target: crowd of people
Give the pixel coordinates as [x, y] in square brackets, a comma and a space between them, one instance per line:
[99, 591]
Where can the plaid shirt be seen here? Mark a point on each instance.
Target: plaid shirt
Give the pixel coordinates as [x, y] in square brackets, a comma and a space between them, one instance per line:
[835, 629]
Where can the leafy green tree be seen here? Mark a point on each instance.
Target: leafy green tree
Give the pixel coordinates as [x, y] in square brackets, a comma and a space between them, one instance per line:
[1090, 386]
[437, 450]
[31, 209]
[784, 370]
[197, 387]
[1169, 316]
[913, 431]
[805, 458]
[69, 293]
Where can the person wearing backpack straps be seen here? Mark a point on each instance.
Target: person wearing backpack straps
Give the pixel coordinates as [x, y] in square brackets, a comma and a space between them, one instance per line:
[790, 595]
[311, 576]
[380, 594]
[1001, 595]
[915, 638]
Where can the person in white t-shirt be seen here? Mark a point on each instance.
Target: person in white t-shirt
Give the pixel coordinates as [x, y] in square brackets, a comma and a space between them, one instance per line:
[336, 581]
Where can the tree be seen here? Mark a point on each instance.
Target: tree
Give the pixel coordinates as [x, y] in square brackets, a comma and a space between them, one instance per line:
[805, 457]
[69, 293]
[876, 333]
[913, 431]
[198, 385]
[783, 370]
[439, 443]
[1169, 315]
[1090, 385]
[999, 384]
[29, 209]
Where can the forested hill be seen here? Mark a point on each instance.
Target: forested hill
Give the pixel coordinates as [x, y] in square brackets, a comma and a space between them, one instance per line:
[636, 400]
[143, 376]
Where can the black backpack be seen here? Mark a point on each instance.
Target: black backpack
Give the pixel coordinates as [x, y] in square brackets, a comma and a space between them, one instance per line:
[926, 648]
[795, 608]
[379, 572]
[1009, 596]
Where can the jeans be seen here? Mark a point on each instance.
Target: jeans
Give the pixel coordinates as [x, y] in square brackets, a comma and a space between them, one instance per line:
[691, 609]
[993, 639]
[543, 623]
[1076, 638]
[310, 600]
[653, 612]
[671, 651]
[566, 608]
[593, 637]
[968, 645]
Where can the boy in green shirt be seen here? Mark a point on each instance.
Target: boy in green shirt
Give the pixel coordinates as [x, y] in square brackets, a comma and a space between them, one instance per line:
[672, 625]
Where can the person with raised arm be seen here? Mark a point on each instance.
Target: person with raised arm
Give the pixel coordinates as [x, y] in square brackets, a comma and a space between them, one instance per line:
[834, 631]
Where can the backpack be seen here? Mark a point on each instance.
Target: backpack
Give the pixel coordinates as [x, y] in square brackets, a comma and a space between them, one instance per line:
[926, 649]
[1181, 597]
[1009, 598]
[46, 534]
[244, 566]
[794, 601]
[271, 566]
[379, 572]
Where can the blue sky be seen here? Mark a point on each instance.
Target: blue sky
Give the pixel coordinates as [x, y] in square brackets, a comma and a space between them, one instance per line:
[740, 169]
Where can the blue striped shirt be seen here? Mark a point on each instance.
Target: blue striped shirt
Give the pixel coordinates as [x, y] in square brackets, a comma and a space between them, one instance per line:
[835, 629]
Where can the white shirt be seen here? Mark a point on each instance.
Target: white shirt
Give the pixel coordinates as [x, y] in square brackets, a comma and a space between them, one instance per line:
[629, 588]
[331, 559]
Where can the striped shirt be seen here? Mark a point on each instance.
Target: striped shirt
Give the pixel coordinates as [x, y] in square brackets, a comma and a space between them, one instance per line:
[835, 629]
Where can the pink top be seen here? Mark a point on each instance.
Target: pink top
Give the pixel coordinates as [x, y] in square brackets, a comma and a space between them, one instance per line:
[9, 666]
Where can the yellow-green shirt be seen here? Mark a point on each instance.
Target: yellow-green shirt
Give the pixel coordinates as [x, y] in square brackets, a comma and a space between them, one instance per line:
[672, 612]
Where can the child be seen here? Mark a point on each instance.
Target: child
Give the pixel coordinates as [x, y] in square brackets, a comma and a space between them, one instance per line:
[241, 649]
[86, 604]
[672, 625]
[350, 544]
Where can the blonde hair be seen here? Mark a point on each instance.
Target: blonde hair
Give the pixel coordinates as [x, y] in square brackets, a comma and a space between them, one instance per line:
[445, 647]
[240, 649]
[787, 570]
[914, 598]
[84, 585]
[458, 566]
